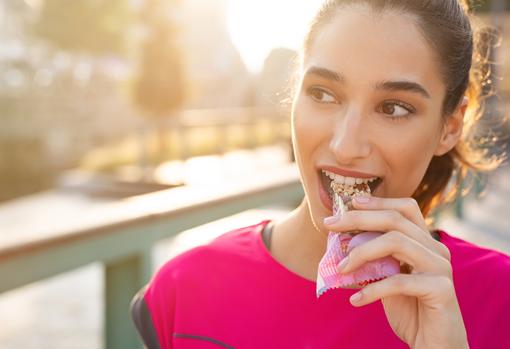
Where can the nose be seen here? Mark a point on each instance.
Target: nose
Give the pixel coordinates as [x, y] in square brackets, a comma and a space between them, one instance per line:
[350, 138]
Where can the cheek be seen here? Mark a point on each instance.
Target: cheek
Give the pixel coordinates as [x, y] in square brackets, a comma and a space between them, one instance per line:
[308, 129]
[408, 158]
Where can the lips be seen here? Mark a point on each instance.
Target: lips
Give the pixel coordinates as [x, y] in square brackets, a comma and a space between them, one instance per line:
[346, 173]
[326, 193]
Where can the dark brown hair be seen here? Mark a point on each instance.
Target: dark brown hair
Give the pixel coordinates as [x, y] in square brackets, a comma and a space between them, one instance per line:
[464, 68]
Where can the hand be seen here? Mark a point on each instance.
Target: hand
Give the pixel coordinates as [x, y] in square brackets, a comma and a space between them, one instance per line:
[421, 306]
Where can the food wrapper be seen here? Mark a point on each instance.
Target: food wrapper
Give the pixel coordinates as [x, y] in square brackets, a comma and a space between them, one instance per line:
[340, 244]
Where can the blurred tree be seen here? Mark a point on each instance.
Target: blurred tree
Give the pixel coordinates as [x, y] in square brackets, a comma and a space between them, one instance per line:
[89, 26]
[159, 87]
[490, 5]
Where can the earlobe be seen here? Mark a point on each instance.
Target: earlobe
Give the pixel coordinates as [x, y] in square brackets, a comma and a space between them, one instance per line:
[452, 129]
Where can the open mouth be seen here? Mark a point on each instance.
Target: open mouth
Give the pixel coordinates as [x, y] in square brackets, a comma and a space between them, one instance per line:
[326, 182]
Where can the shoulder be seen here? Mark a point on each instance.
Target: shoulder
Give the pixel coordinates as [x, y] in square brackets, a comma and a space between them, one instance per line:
[231, 247]
[469, 255]
[473, 262]
[190, 280]
[482, 279]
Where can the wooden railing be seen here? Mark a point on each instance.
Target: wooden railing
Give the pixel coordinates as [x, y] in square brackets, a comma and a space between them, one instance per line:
[121, 236]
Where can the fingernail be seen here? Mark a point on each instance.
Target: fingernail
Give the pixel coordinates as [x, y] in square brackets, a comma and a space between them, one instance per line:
[355, 297]
[343, 263]
[333, 219]
[362, 199]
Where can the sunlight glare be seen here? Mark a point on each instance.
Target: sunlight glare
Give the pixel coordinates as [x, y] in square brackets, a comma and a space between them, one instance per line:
[257, 27]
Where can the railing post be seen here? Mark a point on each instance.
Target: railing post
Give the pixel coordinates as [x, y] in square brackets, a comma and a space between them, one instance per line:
[123, 278]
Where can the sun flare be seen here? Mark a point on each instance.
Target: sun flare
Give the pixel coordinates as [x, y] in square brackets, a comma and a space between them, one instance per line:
[256, 27]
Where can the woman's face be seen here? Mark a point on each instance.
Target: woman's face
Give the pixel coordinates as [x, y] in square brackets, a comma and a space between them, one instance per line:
[369, 100]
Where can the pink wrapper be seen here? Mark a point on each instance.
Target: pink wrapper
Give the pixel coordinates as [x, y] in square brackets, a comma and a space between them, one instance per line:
[338, 247]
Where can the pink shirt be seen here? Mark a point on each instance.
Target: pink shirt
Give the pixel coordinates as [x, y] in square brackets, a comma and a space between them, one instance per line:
[232, 293]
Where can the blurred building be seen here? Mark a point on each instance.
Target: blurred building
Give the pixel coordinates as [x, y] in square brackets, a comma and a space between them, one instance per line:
[215, 69]
[55, 105]
[274, 84]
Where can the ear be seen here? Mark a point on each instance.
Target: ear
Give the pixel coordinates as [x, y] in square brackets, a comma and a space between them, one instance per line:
[452, 129]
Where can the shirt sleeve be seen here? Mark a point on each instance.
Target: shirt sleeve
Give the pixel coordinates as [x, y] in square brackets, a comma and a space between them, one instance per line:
[489, 319]
[499, 304]
[143, 321]
[153, 308]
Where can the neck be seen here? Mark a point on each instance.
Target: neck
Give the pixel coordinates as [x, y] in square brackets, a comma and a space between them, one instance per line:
[297, 244]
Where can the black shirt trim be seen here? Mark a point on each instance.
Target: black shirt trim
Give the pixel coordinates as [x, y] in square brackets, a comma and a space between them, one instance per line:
[143, 321]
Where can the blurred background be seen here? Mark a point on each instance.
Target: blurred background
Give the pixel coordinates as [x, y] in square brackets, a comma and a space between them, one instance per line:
[106, 102]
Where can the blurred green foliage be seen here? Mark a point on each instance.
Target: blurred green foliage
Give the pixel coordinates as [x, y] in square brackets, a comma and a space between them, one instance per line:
[487, 5]
[159, 86]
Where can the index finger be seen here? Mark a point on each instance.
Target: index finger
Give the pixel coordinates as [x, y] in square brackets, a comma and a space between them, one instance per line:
[408, 207]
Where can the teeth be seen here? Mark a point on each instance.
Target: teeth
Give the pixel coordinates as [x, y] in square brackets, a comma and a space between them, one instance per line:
[350, 180]
[347, 180]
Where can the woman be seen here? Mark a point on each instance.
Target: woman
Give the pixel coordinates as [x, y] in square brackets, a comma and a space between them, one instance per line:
[387, 90]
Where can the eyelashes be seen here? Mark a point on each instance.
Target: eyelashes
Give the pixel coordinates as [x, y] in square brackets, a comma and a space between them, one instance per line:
[404, 110]
[317, 92]
[395, 105]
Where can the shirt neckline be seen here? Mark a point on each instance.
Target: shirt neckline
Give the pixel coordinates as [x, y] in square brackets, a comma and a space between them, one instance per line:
[269, 256]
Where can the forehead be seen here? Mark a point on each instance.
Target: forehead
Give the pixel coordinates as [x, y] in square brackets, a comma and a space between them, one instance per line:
[366, 48]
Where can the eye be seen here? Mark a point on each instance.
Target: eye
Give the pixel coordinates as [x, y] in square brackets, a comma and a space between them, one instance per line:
[321, 95]
[397, 110]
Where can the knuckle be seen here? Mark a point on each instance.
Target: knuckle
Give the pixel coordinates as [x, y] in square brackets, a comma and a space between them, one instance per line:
[445, 252]
[394, 236]
[442, 266]
[447, 267]
[399, 281]
[355, 253]
[395, 217]
[412, 204]
[445, 283]
[353, 217]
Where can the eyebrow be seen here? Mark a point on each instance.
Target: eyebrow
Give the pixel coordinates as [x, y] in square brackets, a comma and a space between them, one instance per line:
[381, 85]
[402, 86]
[325, 73]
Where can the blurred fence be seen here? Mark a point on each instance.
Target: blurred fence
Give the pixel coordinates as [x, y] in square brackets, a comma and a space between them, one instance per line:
[121, 236]
[35, 150]
[242, 121]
